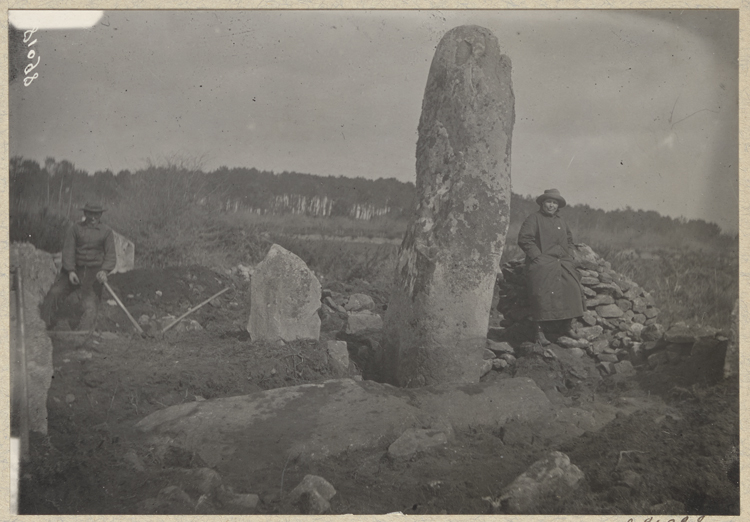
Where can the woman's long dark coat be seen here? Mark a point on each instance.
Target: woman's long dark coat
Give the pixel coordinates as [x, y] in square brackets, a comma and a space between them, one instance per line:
[553, 281]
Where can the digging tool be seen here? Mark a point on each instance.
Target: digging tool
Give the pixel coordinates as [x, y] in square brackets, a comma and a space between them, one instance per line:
[135, 323]
[193, 309]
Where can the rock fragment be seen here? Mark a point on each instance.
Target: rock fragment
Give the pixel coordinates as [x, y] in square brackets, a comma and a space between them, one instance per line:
[553, 476]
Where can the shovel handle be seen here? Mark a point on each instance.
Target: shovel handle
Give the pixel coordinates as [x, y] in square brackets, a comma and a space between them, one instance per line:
[135, 323]
[193, 309]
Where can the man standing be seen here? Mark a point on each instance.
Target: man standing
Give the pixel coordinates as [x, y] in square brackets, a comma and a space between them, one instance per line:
[88, 256]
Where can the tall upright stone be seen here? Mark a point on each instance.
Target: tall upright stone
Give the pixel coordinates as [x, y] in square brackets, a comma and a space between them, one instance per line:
[38, 272]
[437, 319]
[284, 299]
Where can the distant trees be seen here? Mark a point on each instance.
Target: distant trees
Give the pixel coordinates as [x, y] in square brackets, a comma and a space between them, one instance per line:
[175, 184]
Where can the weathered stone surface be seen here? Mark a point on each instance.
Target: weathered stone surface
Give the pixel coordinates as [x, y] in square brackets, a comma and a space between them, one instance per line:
[590, 333]
[500, 347]
[589, 318]
[624, 368]
[624, 304]
[238, 435]
[247, 501]
[284, 300]
[359, 302]
[609, 310]
[38, 272]
[553, 476]
[124, 254]
[339, 354]
[359, 322]
[652, 332]
[437, 319]
[313, 494]
[415, 440]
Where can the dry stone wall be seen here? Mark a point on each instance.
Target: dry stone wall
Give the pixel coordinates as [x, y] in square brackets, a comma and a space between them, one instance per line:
[619, 328]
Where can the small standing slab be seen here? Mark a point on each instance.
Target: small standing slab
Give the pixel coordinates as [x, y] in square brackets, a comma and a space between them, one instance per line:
[284, 300]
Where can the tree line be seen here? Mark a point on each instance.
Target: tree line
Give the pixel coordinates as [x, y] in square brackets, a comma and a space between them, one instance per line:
[60, 187]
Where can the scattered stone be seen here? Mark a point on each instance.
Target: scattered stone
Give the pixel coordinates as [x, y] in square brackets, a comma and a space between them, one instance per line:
[652, 332]
[607, 357]
[606, 368]
[415, 440]
[487, 366]
[244, 501]
[488, 354]
[598, 346]
[500, 364]
[170, 501]
[313, 494]
[143, 320]
[553, 476]
[70, 398]
[284, 299]
[624, 368]
[359, 302]
[576, 352]
[333, 305]
[589, 281]
[500, 348]
[508, 357]
[359, 322]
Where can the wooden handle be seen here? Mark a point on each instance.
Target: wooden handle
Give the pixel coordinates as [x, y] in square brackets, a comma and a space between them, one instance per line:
[135, 323]
[170, 325]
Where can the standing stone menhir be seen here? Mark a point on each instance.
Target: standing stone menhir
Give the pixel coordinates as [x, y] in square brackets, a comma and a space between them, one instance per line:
[438, 315]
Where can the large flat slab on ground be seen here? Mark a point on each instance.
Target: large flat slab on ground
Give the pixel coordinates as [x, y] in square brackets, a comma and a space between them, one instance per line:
[313, 421]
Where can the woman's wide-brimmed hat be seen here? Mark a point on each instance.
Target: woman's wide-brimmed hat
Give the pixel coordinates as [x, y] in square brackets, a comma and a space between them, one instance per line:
[90, 207]
[551, 194]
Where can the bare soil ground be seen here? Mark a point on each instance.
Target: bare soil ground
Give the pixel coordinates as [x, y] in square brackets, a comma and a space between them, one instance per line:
[683, 450]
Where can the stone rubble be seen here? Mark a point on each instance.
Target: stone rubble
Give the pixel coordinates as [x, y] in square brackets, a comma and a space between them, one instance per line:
[313, 495]
[552, 476]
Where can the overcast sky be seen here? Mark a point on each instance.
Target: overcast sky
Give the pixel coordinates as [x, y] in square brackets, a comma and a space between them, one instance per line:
[614, 108]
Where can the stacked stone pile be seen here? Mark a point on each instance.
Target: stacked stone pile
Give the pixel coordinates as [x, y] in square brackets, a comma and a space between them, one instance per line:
[619, 327]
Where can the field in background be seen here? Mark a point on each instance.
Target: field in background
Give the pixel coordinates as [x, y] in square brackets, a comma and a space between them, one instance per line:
[691, 269]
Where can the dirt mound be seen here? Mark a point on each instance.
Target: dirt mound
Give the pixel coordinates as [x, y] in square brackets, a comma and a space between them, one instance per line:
[154, 296]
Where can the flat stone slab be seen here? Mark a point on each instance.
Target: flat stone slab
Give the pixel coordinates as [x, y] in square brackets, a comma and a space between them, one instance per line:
[312, 421]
